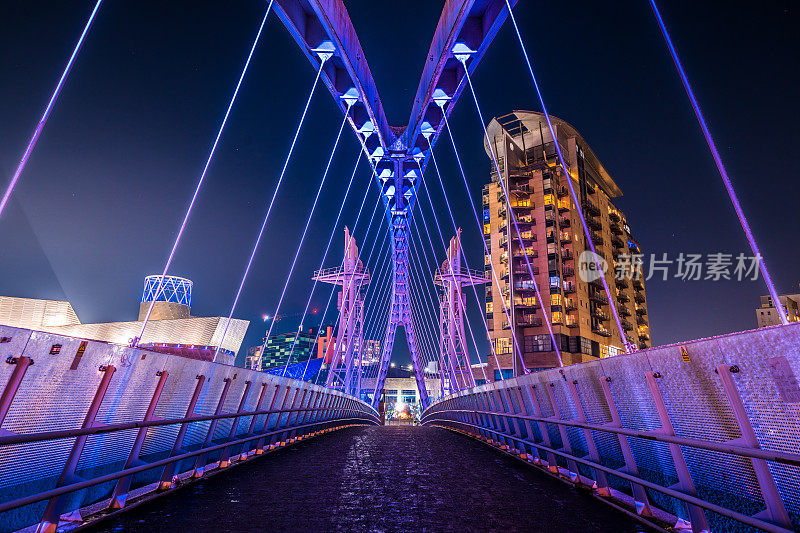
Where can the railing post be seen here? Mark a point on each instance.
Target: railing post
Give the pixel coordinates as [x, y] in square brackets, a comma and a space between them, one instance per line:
[261, 445]
[599, 476]
[200, 464]
[12, 386]
[685, 482]
[641, 501]
[224, 459]
[169, 469]
[775, 511]
[244, 451]
[52, 513]
[293, 422]
[528, 428]
[574, 473]
[276, 441]
[120, 494]
[552, 464]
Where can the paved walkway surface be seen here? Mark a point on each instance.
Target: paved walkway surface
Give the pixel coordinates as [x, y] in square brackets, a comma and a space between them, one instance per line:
[383, 479]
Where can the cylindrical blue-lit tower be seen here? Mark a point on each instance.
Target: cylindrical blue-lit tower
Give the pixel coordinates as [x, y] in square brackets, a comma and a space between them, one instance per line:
[174, 298]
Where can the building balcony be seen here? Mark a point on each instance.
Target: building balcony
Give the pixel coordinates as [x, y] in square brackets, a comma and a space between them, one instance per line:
[644, 336]
[567, 255]
[590, 188]
[524, 287]
[597, 239]
[570, 304]
[530, 321]
[565, 222]
[599, 298]
[594, 223]
[624, 311]
[640, 310]
[562, 191]
[616, 229]
[627, 326]
[563, 207]
[568, 272]
[599, 314]
[622, 297]
[522, 270]
[637, 284]
[621, 282]
[590, 209]
[616, 242]
[638, 298]
[565, 238]
[613, 216]
[599, 329]
[643, 346]
[525, 303]
[640, 320]
[569, 288]
[572, 322]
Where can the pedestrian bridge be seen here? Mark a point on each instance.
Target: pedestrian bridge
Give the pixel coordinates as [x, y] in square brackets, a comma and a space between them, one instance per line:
[702, 435]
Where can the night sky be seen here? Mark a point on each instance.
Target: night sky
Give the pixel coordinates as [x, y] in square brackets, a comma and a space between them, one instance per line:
[102, 197]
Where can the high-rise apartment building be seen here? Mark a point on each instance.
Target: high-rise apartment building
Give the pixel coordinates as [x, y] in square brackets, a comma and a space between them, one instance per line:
[553, 239]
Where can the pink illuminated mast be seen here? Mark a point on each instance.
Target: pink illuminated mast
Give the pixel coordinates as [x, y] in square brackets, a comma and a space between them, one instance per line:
[344, 372]
[455, 369]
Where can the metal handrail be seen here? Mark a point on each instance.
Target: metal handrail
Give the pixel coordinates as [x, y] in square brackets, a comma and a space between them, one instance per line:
[687, 498]
[25, 438]
[757, 453]
[66, 489]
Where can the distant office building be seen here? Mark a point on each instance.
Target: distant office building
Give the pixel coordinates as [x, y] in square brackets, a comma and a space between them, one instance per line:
[553, 240]
[301, 345]
[171, 328]
[767, 315]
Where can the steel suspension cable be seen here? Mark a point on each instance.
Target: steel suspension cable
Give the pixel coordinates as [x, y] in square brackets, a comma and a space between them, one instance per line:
[46, 114]
[495, 279]
[305, 231]
[464, 255]
[712, 146]
[629, 347]
[426, 322]
[461, 304]
[427, 279]
[470, 380]
[333, 289]
[513, 217]
[202, 177]
[256, 245]
[325, 254]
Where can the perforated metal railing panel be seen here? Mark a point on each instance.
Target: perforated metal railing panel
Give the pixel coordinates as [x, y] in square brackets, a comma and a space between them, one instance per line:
[764, 365]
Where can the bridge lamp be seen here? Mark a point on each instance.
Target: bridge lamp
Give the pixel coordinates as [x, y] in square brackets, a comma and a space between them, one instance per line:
[350, 97]
[440, 98]
[462, 52]
[324, 51]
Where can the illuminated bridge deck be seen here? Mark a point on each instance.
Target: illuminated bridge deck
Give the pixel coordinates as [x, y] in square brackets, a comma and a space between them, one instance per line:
[391, 478]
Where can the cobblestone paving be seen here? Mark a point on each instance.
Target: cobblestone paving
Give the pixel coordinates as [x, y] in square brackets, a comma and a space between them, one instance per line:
[383, 479]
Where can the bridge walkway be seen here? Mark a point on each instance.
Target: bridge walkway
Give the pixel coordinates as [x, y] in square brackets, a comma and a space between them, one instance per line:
[389, 478]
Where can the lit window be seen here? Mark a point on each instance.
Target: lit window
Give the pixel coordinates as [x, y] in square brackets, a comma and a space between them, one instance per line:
[549, 199]
[557, 317]
[487, 229]
[555, 299]
[489, 307]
